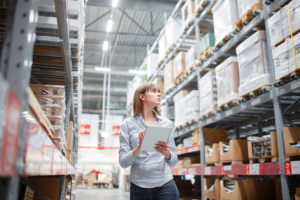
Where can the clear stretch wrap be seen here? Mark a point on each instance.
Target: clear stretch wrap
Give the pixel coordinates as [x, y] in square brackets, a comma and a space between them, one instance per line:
[191, 106]
[284, 59]
[244, 6]
[279, 23]
[168, 111]
[227, 76]
[252, 69]
[159, 82]
[169, 76]
[48, 90]
[172, 33]
[190, 57]
[225, 14]
[152, 63]
[179, 64]
[179, 108]
[208, 93]
[162, 47]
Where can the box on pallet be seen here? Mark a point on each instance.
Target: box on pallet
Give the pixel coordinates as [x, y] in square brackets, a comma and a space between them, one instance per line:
[212, 188]
[48, 90]
[190, 57]
[179, 64]
[196, 137]
[53, 111]
[187, 11]
[279, 23]
[169, 79]
[291, 141]
[212, 154]
[254, 74]
[227, 76]
[191, 106]
[152, 63]
[172, 31]
[208, 93]
[178, 108]
[285, 61]
[225, 14]
[249, 188]
[189, 161]
[245, 6]
[162, 47]
[208, 40]
[236, 152]
[262, 148]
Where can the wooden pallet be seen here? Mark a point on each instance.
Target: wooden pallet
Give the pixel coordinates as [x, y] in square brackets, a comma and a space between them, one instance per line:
[206, 54]
[179, 78]
[285, 39]
[230, 162]
[287, 78]
[192, 68]
[263, 159]
[203, 4]
[292, 157]
[255, 93]
[209, 114]
[225, 40]
[170, 49]
[228, 105]
[249, 15]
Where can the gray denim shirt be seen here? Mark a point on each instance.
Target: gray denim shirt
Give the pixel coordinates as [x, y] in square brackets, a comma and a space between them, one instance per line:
[148, 169]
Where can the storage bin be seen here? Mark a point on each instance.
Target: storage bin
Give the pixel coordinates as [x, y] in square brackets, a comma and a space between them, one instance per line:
[212, 154]
[237, 152]
[212, 188]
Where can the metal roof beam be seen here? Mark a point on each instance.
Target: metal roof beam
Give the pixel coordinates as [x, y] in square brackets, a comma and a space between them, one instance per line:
[120, 43]
[121, 33]
[146, 5]
[135, 22]
[98, 18]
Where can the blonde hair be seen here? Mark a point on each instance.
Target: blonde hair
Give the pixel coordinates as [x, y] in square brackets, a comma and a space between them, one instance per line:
[137, 102]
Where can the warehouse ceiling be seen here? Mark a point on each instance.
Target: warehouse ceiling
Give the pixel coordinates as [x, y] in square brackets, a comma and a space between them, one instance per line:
[136, 24]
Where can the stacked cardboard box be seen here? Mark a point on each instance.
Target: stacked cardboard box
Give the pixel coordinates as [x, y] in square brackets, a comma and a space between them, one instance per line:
[179, 108]
[225, 14]
[189, 161]
[252, 63]
[179, 64]
[236, 152]
[52, 101]
[196, 137]
[169, 79]
[208, 93]
[291, 141]
[212, 188]
[227, 76]
[212, 154]
[172, 33]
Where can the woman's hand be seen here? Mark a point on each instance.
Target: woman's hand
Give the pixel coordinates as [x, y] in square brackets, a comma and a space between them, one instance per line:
[164, 149]
[136, 150]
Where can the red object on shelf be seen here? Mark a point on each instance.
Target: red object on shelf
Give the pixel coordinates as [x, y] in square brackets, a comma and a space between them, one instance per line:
[85, 129]
[116, 130]
[96, 172]
[188, 149]
[10, 135]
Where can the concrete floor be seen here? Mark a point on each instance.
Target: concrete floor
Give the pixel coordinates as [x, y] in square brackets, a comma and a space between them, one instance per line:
[101, 194]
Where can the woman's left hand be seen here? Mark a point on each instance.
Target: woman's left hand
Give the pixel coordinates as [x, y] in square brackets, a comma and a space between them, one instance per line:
[164, 149]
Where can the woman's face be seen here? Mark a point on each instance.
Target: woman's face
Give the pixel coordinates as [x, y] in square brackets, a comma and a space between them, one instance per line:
[151, 98]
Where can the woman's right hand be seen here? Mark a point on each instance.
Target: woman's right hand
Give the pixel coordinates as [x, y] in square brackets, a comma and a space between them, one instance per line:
[136, 150]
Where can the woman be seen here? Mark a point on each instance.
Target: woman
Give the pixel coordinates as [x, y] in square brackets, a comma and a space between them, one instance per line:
[150, 176]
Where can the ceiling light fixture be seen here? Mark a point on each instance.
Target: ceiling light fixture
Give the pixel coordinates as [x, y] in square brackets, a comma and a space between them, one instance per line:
[109, 25]
[102, 69]
[105, 45]
[137, 72]
[114, 3]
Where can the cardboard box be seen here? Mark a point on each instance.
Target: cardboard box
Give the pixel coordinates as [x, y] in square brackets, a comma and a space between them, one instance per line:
[291, 136]
[212, 188]
[187, 12]
[56, 121]
[227, 76]
[169, 79]
[248, 189]
[159, 82]
[187, 142]
[179, 64]
[188, 161]
[53, 111]
[253, 72]
[196, 137]
[214, 158]
[237, 154]
[48, 90]
[297, 195]
[179, 164]
[38, 113]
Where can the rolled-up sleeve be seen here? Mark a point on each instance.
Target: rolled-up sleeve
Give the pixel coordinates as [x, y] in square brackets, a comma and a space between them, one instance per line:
[126, 157]
[174, 159]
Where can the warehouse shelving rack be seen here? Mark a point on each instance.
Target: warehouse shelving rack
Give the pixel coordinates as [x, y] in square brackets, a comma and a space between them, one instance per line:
[27, 51]
[256, 115]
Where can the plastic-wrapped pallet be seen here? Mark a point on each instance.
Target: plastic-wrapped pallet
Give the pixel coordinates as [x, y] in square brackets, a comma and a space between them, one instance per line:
[159, 82]
[252, 68]
[208, 93]
[279, 23]
[169, 76]
[285, 61]
[187, 11]
[172, 33]
[179, 108]
[227, 76]
[179, 64]
[152, 63]
[225, 14]
[167, 111]
[244, 6]
[191, 106]
[162, 47]
[190, 57]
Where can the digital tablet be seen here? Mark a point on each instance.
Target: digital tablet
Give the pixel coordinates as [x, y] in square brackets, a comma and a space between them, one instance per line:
[154, 134]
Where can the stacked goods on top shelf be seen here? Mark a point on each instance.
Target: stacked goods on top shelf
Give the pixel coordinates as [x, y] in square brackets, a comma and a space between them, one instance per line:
[248, 9]
[152, 63]
[169, 79]
[284, 27]
[179, 65]
[225, 14]
[227, 76]
[52, 101]
[207, 42]
[187, 13]
[162, 47]
[254, 75]
[172, 33]
[208, 94]
[262, 149]
[190, 57]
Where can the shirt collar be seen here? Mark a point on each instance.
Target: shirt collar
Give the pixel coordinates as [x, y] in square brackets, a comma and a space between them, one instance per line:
[157, 116]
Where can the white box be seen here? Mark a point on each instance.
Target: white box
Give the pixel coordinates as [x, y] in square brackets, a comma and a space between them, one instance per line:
[208, 93]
